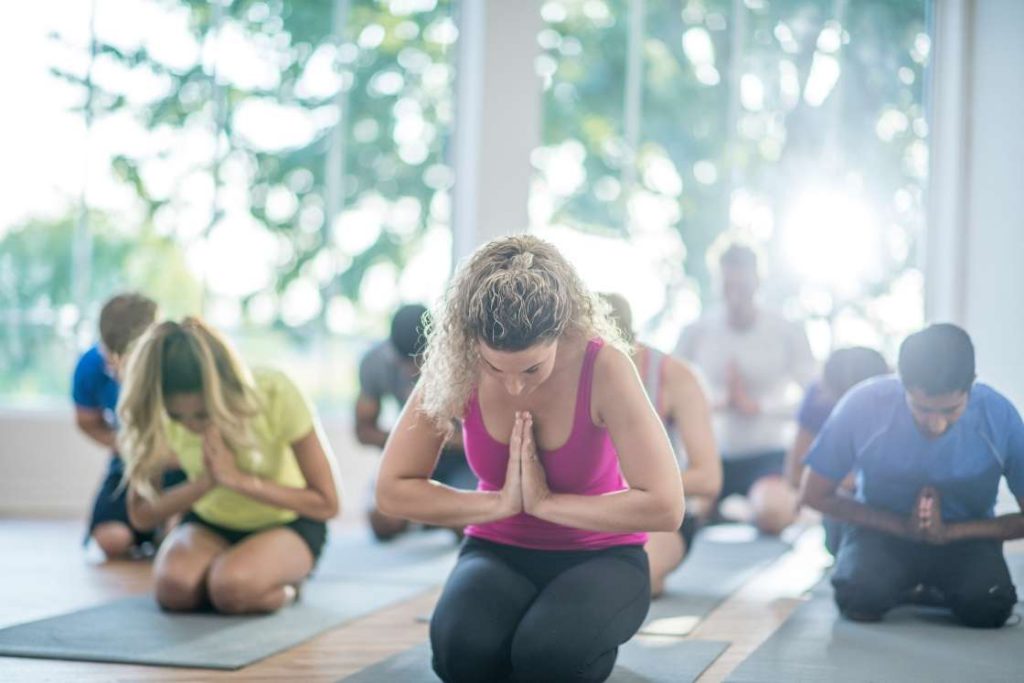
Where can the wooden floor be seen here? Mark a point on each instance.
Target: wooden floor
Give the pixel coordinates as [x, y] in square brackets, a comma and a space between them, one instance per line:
[45, 572]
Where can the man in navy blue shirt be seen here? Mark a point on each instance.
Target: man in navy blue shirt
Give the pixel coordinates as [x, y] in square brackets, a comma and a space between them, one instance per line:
[928, 449]
[94, 391]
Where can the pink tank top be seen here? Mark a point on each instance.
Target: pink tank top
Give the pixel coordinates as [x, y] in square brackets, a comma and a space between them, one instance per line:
[586, 465]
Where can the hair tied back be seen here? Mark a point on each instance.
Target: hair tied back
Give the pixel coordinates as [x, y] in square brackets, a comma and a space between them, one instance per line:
[522, 261]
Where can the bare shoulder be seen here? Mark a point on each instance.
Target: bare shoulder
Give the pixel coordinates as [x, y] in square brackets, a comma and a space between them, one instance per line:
[681, 375]
[612, 366]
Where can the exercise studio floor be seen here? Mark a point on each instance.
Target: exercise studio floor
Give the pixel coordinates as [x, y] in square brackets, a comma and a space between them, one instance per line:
[46, 573]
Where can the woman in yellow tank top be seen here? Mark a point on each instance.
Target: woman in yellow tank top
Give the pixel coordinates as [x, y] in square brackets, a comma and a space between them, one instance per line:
[261, 481]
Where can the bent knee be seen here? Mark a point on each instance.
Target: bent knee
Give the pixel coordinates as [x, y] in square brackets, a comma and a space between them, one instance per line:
[986, 609]
[175, 592]
[539, 657]
[467, 656]
[864, 602]
[775, 505]
[385, 528]
[114, 539]
[233, 590]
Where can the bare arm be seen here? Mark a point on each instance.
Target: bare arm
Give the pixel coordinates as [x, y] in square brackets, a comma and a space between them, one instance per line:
[147, 514]
[91, 423]
[654, 500]
[405, 489]
[823, 494]
[692, 417]
[368, 431]
[795, 456]
[1003, 527]
[317, 500]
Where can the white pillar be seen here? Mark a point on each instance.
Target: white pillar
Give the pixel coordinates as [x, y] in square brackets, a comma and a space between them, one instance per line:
[948, 96]
[497, 120]
[975, 250]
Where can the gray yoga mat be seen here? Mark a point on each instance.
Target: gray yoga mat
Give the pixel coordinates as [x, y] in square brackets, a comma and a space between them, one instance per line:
[910, 644]
[135, 631]
[648, 660]
[714, 570]
[417, 557]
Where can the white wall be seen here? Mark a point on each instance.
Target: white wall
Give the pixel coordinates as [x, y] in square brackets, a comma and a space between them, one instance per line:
[975, 269]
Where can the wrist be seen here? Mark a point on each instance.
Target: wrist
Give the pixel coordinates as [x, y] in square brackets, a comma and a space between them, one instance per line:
[236, 480]
[953, 532]
[541, 506]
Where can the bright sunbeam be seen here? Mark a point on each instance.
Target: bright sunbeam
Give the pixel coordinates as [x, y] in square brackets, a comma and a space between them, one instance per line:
[831, 238]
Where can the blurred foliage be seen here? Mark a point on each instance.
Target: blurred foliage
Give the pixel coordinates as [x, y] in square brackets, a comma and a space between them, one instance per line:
[39, 344]
[775, 149]
[407, 43]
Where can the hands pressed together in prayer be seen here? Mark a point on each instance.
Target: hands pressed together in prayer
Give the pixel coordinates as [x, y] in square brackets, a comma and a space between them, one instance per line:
[219, 460]
[738, 398]
[926, 520]
[526, 484]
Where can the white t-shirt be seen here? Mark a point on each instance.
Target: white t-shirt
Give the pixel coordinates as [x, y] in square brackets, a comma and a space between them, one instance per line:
[773, 359]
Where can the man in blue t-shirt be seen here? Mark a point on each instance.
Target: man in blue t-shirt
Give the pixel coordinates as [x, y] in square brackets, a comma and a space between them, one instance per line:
[94, 391]
[928, 449]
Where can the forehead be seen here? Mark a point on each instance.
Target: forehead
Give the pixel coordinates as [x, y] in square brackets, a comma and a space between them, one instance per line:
[517, 361]
[184, 402]
[952, 400]
[738, 271]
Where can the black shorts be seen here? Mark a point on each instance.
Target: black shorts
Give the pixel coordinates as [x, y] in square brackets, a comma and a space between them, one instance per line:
[111, 504]
[740, 473]
[691, 524]
[312, 532]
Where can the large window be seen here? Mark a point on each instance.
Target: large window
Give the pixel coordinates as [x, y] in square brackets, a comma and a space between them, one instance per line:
[796, 125]
[278, 166]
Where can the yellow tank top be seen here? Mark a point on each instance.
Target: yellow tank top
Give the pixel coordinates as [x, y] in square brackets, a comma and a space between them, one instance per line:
[285, 417]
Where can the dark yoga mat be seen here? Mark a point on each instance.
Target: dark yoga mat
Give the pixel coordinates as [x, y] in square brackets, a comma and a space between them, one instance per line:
[135, 631]
[648, 660]
[417, 557]
[714, 570]
[910, 644]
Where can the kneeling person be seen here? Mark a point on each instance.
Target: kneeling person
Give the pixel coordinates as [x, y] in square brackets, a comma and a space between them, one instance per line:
[928, 449]
[261, 482]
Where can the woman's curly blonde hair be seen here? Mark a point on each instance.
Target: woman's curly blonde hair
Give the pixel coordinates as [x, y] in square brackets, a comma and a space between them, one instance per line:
[513, 293]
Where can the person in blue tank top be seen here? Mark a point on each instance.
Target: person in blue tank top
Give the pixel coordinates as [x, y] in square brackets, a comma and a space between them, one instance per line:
[928, 449]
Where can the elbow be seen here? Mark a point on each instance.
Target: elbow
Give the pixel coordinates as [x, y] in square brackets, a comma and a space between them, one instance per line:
[327, 508]
[812, 499]
[387, 501]
[329, 511]
[669, 512]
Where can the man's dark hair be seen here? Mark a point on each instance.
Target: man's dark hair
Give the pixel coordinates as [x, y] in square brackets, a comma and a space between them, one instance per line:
[850, 366]
[408, 330]
[937, 360]
[123, 319]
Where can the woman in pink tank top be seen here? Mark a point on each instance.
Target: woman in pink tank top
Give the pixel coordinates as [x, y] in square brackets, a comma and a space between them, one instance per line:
[573, 463]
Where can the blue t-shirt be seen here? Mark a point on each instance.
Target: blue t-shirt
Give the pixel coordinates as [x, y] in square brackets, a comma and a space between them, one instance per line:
[93, 387]
[872, 432]
[815, 409]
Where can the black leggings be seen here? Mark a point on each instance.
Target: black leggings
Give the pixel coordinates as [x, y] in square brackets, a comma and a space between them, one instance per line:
[874, 571]
[510, 613]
